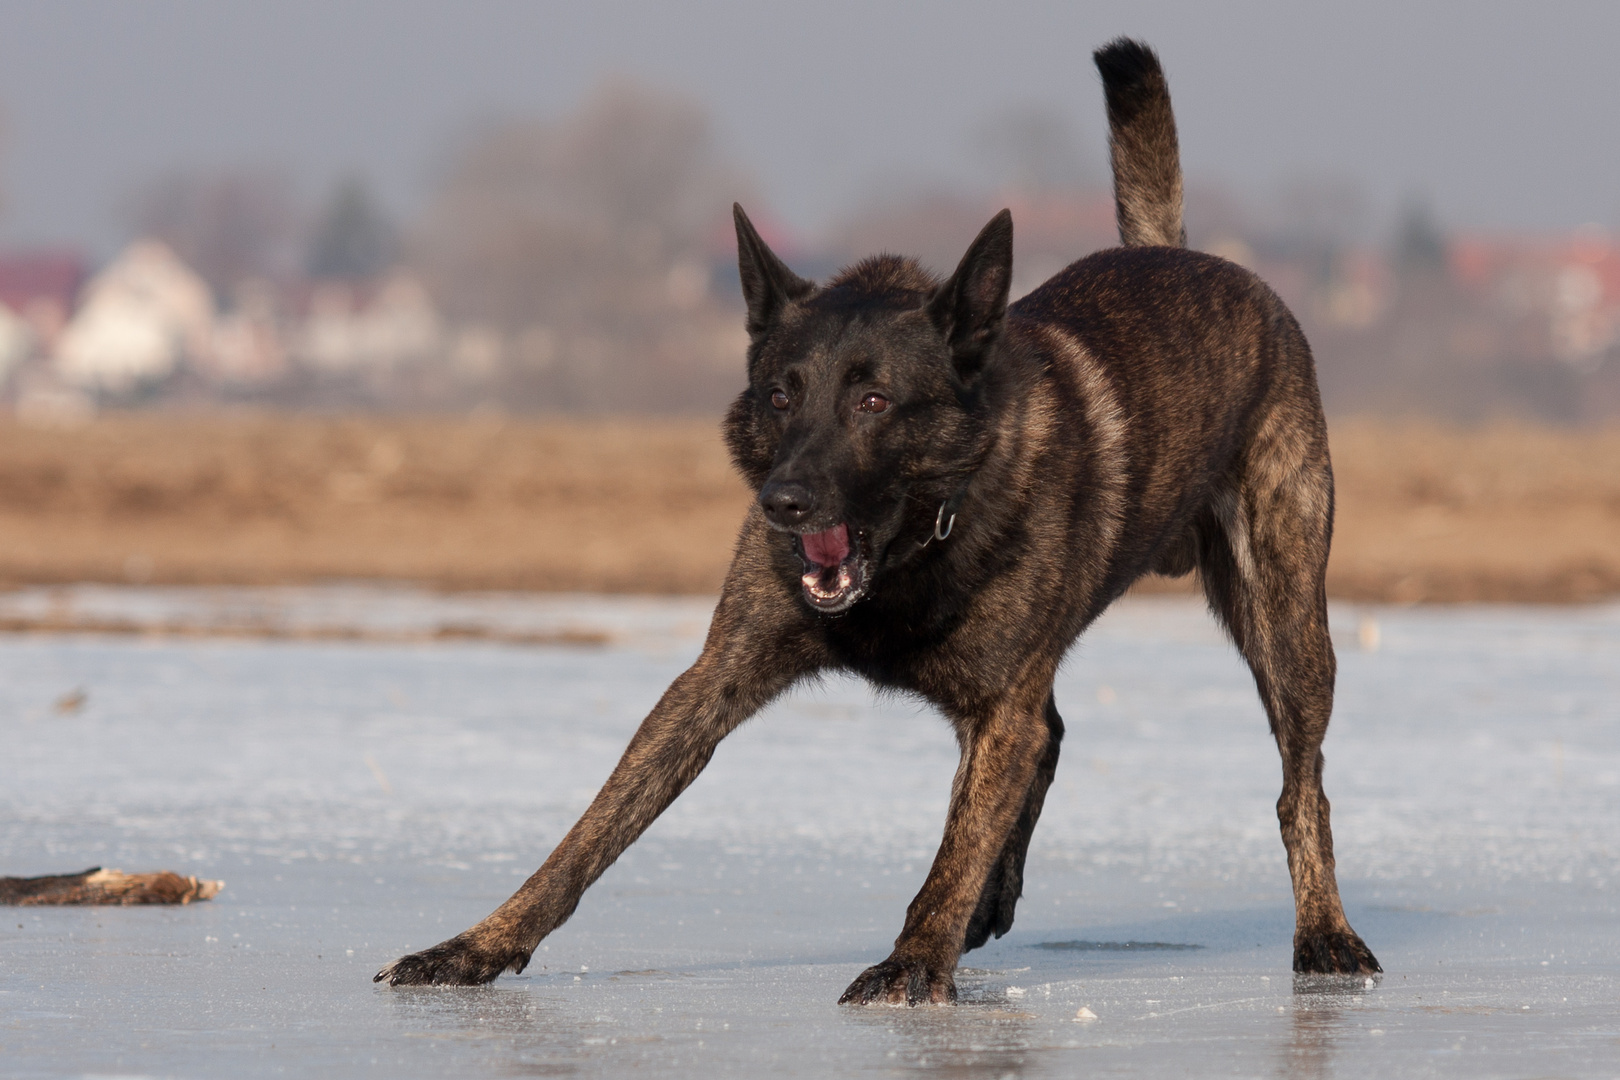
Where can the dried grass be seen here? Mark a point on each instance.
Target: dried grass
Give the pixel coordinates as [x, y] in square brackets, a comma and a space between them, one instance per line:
[1426, 512]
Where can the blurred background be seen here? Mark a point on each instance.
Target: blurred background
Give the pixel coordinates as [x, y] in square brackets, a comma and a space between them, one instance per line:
[447, 293]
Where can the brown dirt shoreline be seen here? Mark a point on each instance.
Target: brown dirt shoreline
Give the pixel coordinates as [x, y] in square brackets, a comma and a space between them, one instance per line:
[1425, 512]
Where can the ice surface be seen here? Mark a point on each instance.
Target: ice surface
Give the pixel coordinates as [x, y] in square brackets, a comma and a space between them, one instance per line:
[365, 800]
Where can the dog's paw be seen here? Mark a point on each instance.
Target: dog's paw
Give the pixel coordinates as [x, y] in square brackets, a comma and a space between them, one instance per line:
[901, 982]
[457, 962]
[1333, 952]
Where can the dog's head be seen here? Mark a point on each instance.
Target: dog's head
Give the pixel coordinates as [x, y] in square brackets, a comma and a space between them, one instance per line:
[863, 413]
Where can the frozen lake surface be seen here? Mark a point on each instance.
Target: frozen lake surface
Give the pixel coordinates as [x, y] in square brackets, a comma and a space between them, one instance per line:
[362, 800]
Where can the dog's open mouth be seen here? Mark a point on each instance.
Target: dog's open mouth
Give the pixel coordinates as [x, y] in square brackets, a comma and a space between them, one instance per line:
[834, 568]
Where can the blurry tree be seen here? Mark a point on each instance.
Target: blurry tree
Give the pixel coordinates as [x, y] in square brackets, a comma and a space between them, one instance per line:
[1218, 216]
[586, 234]
[1420, 244]
[229, 225]
[550, 220]
[1034, 148]
[353, 237]
[1035, 163]
[1319, 210]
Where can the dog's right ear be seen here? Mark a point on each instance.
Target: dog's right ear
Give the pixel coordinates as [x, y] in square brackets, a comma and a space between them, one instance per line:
[767, 283]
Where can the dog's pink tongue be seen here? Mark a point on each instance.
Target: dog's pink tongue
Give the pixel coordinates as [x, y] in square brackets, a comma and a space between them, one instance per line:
[827, 548]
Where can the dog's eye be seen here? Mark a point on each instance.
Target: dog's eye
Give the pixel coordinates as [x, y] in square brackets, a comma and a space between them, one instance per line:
[874, 403]
[779, 399]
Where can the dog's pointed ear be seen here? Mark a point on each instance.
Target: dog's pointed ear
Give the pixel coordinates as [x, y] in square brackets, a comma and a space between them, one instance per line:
[968, 309]
[767, 283]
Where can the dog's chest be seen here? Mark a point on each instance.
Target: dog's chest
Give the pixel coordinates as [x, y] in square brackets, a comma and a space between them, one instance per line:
[950, 662]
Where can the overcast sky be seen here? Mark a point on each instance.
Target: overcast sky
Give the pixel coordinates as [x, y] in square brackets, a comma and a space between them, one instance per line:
[1502, 115]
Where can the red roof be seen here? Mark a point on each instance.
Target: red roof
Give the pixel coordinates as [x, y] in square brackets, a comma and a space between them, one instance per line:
[28, 277]
[1478, 260]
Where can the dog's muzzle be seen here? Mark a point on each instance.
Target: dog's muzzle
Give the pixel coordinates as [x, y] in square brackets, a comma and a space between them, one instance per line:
[835, 568]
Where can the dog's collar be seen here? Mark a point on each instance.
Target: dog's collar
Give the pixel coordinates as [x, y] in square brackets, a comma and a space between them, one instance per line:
[945, 520]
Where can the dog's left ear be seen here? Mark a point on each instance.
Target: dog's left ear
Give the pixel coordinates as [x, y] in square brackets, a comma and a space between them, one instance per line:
[968, 309]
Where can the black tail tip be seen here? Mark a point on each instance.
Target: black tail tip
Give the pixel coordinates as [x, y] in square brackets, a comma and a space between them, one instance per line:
[1125, 62]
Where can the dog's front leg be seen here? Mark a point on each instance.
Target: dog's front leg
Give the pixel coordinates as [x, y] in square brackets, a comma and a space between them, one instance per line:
[1001, 755]
[737, 674]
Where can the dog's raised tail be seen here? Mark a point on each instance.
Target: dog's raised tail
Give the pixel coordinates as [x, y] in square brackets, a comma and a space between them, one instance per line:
[1142, 142]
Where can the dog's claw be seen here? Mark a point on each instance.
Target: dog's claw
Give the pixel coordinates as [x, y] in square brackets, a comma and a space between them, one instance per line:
[457, 962]
[901, 982]
[1334, 952]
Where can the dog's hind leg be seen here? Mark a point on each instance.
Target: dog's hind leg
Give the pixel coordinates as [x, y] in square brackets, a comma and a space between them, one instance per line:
[994, 915]
[1263, 557]
[1003, 746]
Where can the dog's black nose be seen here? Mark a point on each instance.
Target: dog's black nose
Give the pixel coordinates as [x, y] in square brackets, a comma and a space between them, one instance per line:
[786, 502]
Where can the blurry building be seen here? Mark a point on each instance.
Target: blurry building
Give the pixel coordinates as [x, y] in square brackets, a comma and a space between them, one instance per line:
[247, 348]
[1566, 287]
[367, 327]
[1471, 327]
[39, 289]
[140, 320]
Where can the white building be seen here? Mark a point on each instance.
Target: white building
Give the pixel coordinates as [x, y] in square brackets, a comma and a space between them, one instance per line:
[140, 319]
[355, 329]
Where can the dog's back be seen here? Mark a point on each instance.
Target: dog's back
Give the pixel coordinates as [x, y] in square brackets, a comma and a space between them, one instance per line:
[1190, 365]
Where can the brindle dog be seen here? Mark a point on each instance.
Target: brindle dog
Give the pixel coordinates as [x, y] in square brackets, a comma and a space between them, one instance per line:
[950, 491]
